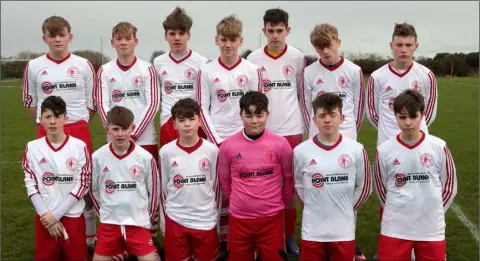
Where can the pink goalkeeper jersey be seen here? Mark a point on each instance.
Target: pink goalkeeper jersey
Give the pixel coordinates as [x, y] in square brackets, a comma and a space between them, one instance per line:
[256, 175]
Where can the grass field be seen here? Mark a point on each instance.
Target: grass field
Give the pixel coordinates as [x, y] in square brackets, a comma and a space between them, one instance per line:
[456, 122]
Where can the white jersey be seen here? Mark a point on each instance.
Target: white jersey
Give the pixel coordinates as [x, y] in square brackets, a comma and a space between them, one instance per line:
[219, 91]
[385, 84]
[134, 87]
[282, 77]
[415, 184]
[55, 172]
[178, 79]
[190, 187]
[72, 78]
[325, 179]
[125, 188]
[346, 80]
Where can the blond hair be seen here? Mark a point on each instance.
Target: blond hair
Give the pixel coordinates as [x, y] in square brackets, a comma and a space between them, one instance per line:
[230, 27]
[323, 35]
[124, 29]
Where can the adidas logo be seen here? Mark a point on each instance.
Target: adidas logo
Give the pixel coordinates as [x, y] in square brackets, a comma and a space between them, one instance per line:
[216, 80]
[263, 69]
[105, 170]
[388, 89]
[174, 164]
[396, 162]
[112, 80]
[239, 156]
[164, 73]
[43, 161]
[313, 162]
[44, 72]
[319, 81]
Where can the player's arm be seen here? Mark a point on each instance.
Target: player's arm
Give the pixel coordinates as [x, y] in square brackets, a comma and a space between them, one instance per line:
[224, 171]
[431, 98]
[164, 170]
[215, 178]
[448, 178]
[256, 84]
[204, 99]
[153, 184]
[286, 161]
[373, 100]
[29, 91]
[90, 82]
[363, 180]
[298, 176]
[102, 96]
[152, 98]
[305, 100]
[381, 177]
[95, 188]
[31, 184]
[359, 99]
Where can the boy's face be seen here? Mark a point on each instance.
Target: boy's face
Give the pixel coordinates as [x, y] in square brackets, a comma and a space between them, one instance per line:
[187, 126]
[328, 122]
[53, 124]
[254, 123]
[177, 40]
[276, 34]
[408, 124]
[124, 44]
[228, 47]
[403, 48]
[58, 43]
[329, 54]
[120, 136]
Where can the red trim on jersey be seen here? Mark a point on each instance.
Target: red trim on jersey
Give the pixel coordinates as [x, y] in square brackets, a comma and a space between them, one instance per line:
[381, 189]
[154, 103]
[367, 181]
[373, 115]
[85, 174]
[123, 68]
[203, 121]
[181, 60]
[154, 205]
[132, 147]
[432, 98]
[449, 184]
[422, 138]
[260, 80]
[231, 67]
[58, 61]
[265, 49]
[99, 98]
[94, 86]
[361, 105]
[190, 149]
[330, 147]
[399, 74]
[301, 96]
[27, 98]
[27, 168]
[334, 67]
[61, 146]
[217, 187]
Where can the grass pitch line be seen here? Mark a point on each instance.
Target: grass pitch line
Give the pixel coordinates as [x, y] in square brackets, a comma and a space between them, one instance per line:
[9, 86]
[469, 84]
[472, 227]
[11, 162]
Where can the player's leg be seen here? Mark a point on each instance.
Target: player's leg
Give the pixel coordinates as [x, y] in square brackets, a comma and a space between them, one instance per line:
[430, 250]
[176, 242]
[139, 243]
[270, 241]
[205, 244]
[310, 250]
[394, 249]
[342, 250]
[74, 244]
[47, 248]
[168, 132]
[109, 242]
[240, 239]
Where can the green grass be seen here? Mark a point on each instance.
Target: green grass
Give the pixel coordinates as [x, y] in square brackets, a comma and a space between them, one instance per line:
[456, 123]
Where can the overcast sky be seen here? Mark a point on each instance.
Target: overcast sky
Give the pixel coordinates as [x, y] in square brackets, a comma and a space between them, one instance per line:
[363, 26]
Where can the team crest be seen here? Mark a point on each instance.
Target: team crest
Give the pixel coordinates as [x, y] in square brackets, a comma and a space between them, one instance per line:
[190, 74]
[137, 81]
[242, 80]
[72, 163]
[426, 160]
[345, 161]
[135, 171]
[204, 165]
[288, 70]
[417, 86]
[270, 156]
[47, 87]
[72, 72]
[317, 180]
[400, 180]
[343, 81]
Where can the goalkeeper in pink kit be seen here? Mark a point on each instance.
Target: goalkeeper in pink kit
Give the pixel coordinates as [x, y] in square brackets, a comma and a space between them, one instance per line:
[256, 175]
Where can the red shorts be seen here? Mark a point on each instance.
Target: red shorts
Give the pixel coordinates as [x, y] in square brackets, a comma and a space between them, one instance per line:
[77, 129]
[332, 251]
[393, 249]
[168, 133]
[136, 241]
[265, 235]
[294, 140]
[181, 242]
[153, 149]
[73, 248]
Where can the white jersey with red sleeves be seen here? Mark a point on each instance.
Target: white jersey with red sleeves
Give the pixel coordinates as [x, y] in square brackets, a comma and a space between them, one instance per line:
[72, 78]
[134, 87]
[190, 189]
[125, 187]
[415, 184]
[55, 171]
[385, 84]
[282, 77]
[219, 91]
[346, 80]
[178, 79]
[332, 183]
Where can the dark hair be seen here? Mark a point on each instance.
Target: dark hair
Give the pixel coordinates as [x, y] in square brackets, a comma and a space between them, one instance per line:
[120, 116]
[56, 104]
[275, 16]
[178, 20]
[185, 108]
[328, 102]
[410, 100]
[54, 25]
[257, 99]
[404, 30]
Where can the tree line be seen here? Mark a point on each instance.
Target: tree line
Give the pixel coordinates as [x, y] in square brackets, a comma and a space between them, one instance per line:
[464, 64]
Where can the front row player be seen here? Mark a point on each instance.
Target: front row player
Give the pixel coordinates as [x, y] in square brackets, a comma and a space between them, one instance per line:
[190, 189]
[63, 166]
[255, 171]
[332, 179]
[416, 183]
[125, 183]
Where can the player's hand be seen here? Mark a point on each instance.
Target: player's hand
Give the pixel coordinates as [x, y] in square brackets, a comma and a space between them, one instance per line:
[56, 230]
[48, 220]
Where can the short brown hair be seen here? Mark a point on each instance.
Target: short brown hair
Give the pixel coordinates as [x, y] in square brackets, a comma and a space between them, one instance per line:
[185, 108]
[178, 20]
[124, 29]
[257, 99]
[230, 27]
[323, 35]
[54, 25]
[404, 30]
[120, 116]
[328, 102]
[410, 100]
